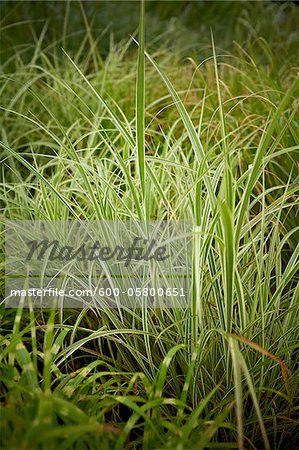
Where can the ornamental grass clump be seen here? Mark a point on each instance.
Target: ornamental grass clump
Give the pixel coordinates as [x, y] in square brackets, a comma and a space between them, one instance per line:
[145, 134]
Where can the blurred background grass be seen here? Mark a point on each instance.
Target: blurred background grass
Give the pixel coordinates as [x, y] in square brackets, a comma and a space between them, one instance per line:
[183, 25]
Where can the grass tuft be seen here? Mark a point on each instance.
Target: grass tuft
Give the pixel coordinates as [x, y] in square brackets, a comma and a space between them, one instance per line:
[212, 138]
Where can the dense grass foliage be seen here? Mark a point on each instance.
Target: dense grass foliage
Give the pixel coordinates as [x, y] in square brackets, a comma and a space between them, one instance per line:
[205, 131]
